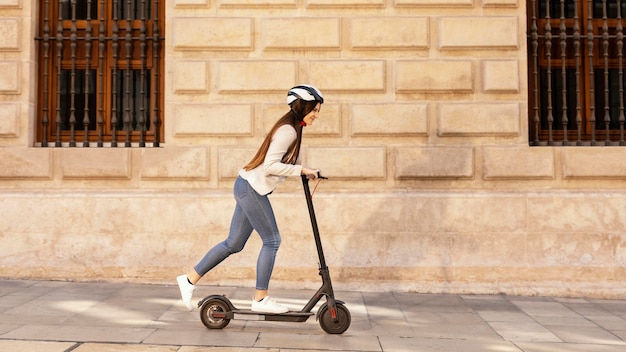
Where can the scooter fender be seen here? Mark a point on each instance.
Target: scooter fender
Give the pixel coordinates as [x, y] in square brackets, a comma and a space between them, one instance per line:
[223, 298]
[317, 315]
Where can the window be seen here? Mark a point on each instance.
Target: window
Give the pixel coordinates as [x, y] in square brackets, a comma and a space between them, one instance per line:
[100, 73]
[576, 79]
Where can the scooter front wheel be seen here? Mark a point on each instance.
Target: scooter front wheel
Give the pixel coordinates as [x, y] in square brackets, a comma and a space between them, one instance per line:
[212, 313]
[329, 324]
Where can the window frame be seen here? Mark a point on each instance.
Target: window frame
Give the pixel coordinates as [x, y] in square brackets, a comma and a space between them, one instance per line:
[588, 133]
[104, 80]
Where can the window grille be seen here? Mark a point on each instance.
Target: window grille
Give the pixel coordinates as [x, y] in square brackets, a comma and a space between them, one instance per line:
[576, 78]
[100, 80]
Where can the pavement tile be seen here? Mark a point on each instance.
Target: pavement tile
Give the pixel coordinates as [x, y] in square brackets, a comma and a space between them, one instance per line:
[495, 315]
[443, 318]
[233, 349]
[455, 331]
[564, 321]
[308, 327]
[620, 333]
[51, 316]
[384, 327]
[31, 317]
[545, 309]
[322, 342]
[616, 306]
[608, 322]
[585, 334]
[201, 336]
[11, 300]
[11, 286]
[395, 344]
[522, 331]
[566, 347]
[4, 328]
[489, 302]
[587, 308]
[432, 303]
[79, 333]
[102, 347]
[35, 346]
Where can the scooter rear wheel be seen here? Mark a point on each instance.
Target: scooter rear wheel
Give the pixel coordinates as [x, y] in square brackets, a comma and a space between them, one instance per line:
[208, 310]
[327, 322]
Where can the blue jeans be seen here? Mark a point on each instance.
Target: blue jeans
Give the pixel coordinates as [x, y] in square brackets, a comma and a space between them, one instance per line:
[253, 212]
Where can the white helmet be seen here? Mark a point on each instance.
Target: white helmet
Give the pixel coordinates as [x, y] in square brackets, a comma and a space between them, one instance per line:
[305, 92]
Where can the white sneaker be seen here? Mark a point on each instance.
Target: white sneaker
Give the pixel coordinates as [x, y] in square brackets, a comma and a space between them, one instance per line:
[186, 291]
[268, 305]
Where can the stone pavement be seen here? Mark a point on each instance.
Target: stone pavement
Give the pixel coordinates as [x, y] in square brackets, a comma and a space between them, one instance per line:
[52, 316]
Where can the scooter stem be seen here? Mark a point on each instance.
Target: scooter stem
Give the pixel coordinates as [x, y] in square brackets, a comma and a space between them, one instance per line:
[316, 233]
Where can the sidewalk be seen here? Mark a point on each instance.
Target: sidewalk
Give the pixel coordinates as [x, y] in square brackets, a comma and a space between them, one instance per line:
[47, 316]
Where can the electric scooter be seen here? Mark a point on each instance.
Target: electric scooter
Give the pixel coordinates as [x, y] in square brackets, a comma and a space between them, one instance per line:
[216, 311]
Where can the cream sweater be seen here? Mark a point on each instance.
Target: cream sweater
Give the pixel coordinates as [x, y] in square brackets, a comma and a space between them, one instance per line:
[267, 176]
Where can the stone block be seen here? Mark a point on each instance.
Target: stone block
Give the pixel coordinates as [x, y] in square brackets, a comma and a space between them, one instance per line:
[191, 77]
[349, 162]
[420, 215]
[349, 75]
[475, 214]
[10, 3]
[594, 162]
[434, 162]
[213, 120]
[494, 73]
[10, 77]
[434, 76]
[202, 33]
[399, 33]
[95, 163]
[257, 3]
[10, 34]
[232, 159]
[328, 124]
[577, 212]
[345, 3]
[25, 163]
[256, 76]
[573, 250]
[487, 249]
[518, 163]
[327, 33]
[389, 119]
[500, 3]
[433, 3]
[478, 32]
[186, 3]
[180, 163]
[9, 120]
[475, 119]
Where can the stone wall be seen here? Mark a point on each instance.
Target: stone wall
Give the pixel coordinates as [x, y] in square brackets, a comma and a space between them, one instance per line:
[424, 135]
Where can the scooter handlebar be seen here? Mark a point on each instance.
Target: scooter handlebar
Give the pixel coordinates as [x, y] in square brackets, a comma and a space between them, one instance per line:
[319, 175]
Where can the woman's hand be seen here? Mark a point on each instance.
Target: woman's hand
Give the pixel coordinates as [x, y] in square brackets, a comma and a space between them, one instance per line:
[311, 174]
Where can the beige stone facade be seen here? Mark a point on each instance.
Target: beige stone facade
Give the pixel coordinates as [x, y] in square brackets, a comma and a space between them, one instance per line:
[433, 186]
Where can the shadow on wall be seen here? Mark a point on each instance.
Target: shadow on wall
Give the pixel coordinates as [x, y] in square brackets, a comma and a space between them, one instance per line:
[385, 242]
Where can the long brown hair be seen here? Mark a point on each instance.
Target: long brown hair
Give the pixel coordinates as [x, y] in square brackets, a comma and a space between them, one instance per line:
[299, 109]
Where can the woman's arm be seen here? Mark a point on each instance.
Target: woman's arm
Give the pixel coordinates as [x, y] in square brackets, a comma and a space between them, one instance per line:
[273, 165]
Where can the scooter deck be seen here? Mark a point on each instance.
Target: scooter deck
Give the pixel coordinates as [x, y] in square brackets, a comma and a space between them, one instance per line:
[246, 314]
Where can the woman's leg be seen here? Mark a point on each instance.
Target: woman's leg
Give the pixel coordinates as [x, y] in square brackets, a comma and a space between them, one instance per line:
[261, 216]
[240, 230]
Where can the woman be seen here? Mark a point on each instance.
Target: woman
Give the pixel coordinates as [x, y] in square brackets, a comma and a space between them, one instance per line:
[277, 158]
